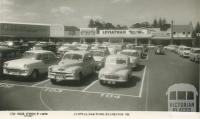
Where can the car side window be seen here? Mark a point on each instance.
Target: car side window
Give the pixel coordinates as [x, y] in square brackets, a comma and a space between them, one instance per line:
[10, 55]
[44, 57]
[52, 57]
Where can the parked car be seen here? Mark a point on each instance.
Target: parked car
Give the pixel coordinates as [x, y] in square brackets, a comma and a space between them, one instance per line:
[74, 66]
[141, 51]
[184, 51]
[134, 57]
[194, 54]
[7, 54]
[117, 69]
[160, 50]
[45, 46]
[32, 64]
[66, 48]
[84, 47]
[99, 57]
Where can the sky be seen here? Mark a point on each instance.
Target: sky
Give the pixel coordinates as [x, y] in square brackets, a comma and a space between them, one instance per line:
[79, 12]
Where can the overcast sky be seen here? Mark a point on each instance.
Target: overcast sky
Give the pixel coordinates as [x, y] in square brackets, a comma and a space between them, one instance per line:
[78, 12]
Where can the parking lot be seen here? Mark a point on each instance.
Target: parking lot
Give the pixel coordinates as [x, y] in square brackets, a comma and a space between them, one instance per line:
[145, 91]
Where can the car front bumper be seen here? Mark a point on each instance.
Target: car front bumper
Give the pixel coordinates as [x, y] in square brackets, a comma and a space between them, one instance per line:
[62, 77]
[16, 72]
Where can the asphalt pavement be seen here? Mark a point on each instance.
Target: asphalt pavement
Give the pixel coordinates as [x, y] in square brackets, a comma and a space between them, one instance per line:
[145, 92]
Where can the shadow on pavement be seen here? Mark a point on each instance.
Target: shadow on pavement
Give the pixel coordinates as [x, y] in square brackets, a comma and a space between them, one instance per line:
[85, 82]
[138, 68]
[131, 83]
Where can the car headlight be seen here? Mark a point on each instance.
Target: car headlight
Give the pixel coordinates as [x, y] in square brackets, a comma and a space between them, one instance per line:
[25, 66]
[50, 69]
[5, 64]
[101, 75]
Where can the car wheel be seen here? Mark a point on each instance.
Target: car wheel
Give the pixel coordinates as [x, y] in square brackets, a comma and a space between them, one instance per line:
[80, 78]
[34, 75]
[53, 81]
[101, 82]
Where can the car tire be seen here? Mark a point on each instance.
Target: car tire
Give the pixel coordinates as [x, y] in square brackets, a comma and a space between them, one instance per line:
[80, 78]
[34, 75]
[53, 81]
[101, 82]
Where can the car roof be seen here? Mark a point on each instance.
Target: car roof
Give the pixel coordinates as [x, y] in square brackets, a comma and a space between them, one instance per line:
[39, 51]
[129, 50]
[78, 52]
[118, 56]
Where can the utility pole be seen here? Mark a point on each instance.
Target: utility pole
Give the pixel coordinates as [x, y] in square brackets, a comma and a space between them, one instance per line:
[172, 37]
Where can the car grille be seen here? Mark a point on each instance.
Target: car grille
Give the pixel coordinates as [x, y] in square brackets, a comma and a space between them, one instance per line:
[14, 70]
[111, 76]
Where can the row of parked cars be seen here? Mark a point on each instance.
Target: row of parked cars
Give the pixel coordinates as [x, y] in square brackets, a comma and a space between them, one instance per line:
[73, 62]
[193, 53]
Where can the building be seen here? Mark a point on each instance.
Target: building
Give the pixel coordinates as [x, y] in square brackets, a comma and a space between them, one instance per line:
[178, 34]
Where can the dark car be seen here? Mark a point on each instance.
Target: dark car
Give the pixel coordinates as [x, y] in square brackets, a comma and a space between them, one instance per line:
[160, 50]
[7, 54]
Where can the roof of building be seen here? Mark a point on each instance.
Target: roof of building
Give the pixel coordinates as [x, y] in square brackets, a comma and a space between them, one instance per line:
[25, 23]
[183, 28]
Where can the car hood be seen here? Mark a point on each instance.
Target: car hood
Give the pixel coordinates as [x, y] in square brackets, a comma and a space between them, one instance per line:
[66, 65]
[19, 63]
[98, 58]
[114, 70]
[186, 51]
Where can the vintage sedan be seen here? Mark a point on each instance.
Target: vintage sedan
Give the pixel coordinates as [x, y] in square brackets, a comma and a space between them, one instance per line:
[134, 56]
[99, 57]
[66, 48]
[184, 51]
[194, 54]
[117, 69]
[32, 64]
[160, 50]
[7, 54]
[74, 66]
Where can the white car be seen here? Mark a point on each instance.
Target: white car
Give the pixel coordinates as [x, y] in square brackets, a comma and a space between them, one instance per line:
[134, 56]
[184, 51]
[117, 69]
[66, 48]
[74, 66]
[32, 64]
[194, 54]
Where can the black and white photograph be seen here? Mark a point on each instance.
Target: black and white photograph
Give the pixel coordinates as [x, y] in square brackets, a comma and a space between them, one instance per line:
[100, 55]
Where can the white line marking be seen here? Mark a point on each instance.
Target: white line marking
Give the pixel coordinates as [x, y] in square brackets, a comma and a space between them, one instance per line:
[143, 78]
[43, 102]
[147, 91]
[89, 86]
[133, 96]
[40, 83]
[70, 90]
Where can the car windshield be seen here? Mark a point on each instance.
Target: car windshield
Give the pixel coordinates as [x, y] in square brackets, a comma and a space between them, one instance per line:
[116, 61]
[73, 57]
[130, 53]
[197, 51]
[30, 55]
[37, 47]
[97, 53]
[186, 48]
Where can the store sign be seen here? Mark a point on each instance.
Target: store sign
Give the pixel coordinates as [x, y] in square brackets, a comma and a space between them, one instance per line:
[129, 32]
[88, 32]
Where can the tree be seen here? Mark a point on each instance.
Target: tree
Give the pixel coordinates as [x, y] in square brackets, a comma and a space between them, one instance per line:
[91, 23]
[160, 23]
[155, 23]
